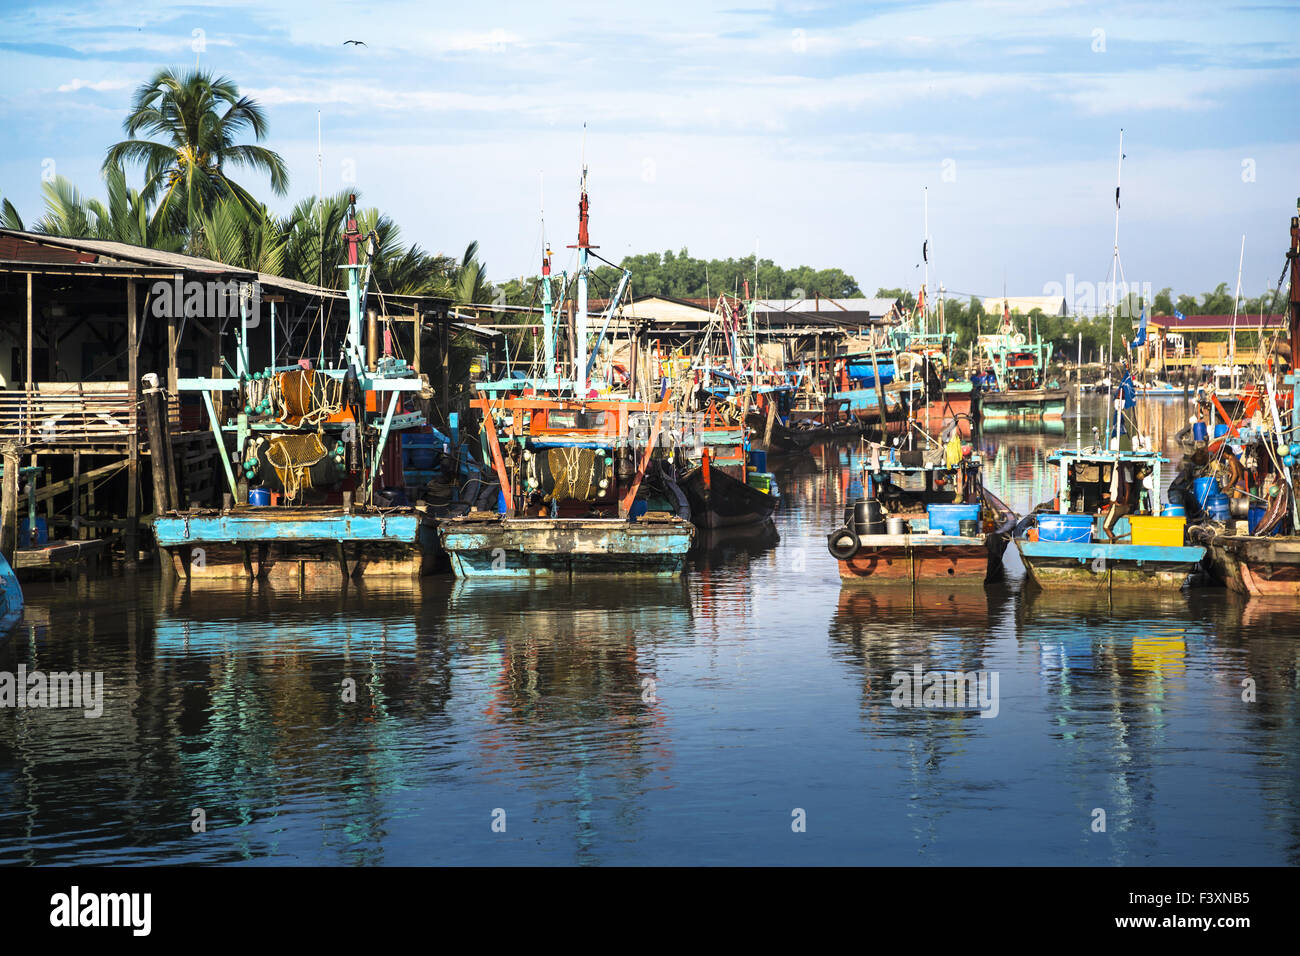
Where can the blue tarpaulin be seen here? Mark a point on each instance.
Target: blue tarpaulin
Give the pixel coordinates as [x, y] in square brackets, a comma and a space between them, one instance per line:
[866, 374]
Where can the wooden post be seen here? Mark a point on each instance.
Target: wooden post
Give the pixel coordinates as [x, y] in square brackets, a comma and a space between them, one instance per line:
[9, 505]
[415, 350]
[29, 331]
[446, 367]
[27, 418]
[130, 533]
[173, 485]
[156, 422]
[880, 388]
[155, 408]
[173, 372]
[76, 495]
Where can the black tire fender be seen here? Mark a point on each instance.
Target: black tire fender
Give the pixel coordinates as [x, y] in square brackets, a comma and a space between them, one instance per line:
[843, 543]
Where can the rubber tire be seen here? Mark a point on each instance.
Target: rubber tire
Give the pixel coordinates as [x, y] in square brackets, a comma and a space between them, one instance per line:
[839, 534]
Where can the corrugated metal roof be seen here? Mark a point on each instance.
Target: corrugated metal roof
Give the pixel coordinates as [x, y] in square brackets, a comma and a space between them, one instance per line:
[108, 252]
[876, 307]
[1215, 323]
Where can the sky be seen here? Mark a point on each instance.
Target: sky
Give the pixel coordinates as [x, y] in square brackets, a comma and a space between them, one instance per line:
[816, 133]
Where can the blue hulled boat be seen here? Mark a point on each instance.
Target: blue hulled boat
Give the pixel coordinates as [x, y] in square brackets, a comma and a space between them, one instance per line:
[1104, 528]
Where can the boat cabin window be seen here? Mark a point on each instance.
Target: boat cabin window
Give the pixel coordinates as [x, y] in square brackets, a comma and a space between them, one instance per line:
[911, 491]
[1093, 484]
[575, 418]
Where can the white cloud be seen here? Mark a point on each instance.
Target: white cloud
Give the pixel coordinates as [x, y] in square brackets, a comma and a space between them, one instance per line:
[99, 86]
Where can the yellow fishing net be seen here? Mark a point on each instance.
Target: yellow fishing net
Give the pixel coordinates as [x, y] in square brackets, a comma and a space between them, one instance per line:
[575, 472]
[292, 457]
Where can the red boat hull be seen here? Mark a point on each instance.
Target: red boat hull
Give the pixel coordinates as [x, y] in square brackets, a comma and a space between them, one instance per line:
[965, 560]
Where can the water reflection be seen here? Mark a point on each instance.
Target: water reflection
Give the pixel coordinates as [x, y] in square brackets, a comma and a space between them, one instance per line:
[637, 721]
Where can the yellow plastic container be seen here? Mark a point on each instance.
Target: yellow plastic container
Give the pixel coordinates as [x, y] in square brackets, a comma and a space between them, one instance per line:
[1163, 531]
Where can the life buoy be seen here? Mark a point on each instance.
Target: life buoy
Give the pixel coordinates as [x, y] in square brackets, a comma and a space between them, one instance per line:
[843, 543]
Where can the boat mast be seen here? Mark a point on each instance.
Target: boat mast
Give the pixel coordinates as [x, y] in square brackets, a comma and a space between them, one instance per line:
[1114, 275]
[1236, 299]
[356, 349]
[925, 258]
[580, 328]
[548, 315]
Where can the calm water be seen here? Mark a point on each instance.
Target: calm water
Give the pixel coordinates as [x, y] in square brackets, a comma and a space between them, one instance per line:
[687, 722]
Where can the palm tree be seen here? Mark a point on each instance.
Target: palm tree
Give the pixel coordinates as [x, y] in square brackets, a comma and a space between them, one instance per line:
[469, 282]
[237, 236]
[315, 248]
[9, 218]
[125, 218]
[195, 121]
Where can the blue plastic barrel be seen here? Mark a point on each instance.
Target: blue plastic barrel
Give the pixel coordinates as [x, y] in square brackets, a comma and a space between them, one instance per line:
[26, 538]
[1206, 488]
[1217, 506]
[1255, 515]
[1200, 432]
[1174, 511]
[1076, 528]
[501, 502]
[758, 459]
[259, 497]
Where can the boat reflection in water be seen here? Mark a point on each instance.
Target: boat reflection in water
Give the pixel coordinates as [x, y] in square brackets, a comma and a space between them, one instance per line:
[891, 628]
[1026, 426]
[565, 692]
[717, 548]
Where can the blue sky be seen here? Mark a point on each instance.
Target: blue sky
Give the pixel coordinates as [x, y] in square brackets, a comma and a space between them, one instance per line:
[810, 129]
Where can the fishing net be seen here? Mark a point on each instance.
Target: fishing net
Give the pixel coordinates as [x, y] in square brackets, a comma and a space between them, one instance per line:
[292, 457]
[307, 398]
[295, 394]
[571, 474]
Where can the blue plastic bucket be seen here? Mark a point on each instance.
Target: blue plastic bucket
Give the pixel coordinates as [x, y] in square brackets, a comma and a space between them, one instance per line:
[1174, 511]
[1200, 432]
[1255, 515]
[1220, 430]
[1076, 528]
[501, 502]
[1206, 488]
[1217, 506]
[259, 497]
[948, 518]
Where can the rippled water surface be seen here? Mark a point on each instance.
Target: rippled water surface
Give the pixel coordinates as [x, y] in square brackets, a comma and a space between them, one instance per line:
[649, 723]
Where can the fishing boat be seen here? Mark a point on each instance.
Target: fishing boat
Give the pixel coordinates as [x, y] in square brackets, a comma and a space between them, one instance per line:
[1261, 556]
[310, 444]
[574, 467]
[723, 482]
[805, 414]
[1075, 542]
[1016, 384]
[875, 396]
[925, 517]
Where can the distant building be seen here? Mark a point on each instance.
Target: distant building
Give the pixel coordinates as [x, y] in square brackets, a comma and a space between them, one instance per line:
[1024, 304]
[666, 315]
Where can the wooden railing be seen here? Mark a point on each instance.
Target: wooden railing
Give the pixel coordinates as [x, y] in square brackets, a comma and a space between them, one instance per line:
[67, 413]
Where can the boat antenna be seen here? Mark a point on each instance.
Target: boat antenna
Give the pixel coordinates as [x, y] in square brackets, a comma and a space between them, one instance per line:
[1114, 275]
[1236, 299]
[320, 236]
[925, 258]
